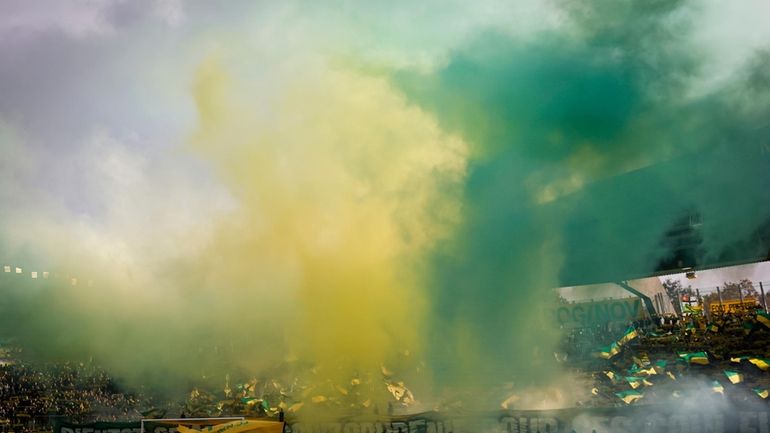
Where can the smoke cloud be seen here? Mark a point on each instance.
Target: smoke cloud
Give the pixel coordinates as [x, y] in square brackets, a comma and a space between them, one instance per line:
[587, 144]
[284, 187]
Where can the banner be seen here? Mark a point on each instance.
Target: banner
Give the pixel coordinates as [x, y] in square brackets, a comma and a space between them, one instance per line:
[634, 419]
[631, 419]
[98, 427]
[173, 425]
[581, 314]
[150, 426]
[242, 426]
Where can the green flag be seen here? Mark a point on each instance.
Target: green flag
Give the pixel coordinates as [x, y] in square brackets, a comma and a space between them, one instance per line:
[609, 351]
[733, 376]
[629, 396]
[629, 335]
[762, 363]
[717, 387]
[700, 358]
[634, 382]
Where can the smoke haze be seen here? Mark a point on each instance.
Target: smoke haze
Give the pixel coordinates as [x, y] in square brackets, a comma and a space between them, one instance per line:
[359, 187]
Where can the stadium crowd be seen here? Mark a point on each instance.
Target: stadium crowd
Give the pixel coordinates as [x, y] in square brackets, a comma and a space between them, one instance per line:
[32, 396]
[633, 363]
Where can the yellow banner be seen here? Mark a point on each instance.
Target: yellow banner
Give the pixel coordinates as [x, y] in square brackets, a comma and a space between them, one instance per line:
[243, 426]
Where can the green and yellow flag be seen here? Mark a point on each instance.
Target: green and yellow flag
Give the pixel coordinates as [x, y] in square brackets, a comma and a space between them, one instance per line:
[700, 358]
[762, 363]
[609, 351]
[762, 393]
[649, 371]
[628, 336]
[612, 376]
[637, 371]
[629, 396]
[695, 310]
[733, 376]
[717, 387]
[634, 382]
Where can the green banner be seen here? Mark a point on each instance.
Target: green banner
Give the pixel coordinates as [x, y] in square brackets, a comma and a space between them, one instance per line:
[581, 314]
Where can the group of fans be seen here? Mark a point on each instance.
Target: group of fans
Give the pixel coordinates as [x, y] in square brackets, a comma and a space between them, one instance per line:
[726, 355]
[31, 397]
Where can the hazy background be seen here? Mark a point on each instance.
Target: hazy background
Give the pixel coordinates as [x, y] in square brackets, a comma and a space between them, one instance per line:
[347, 185]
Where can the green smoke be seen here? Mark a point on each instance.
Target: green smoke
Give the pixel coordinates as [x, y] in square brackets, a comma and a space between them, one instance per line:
[589, 142]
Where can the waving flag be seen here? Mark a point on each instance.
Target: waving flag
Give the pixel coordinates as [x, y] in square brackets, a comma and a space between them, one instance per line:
[629, 396]
[733, 376]
[717, 387]
[700, 358]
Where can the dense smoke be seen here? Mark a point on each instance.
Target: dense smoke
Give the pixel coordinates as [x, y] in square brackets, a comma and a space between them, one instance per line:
[286, 188]
[587, 144]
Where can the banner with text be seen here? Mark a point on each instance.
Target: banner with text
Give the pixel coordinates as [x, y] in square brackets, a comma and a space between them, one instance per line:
[632, 419]
[581, 314]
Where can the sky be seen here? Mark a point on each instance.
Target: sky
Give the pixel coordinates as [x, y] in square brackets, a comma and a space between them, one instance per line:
[354, 185]
[709, 279]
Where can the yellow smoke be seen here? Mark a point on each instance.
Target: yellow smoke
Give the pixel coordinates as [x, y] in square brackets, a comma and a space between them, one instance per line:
[342, 189]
